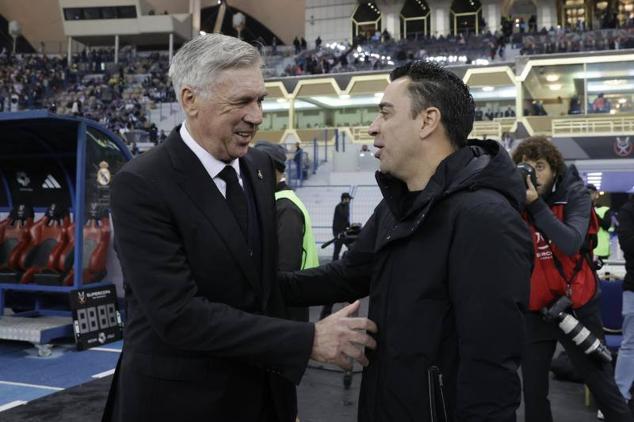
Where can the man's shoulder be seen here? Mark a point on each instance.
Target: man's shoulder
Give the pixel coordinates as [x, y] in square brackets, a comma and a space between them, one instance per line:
[152, 163]
[479, 198]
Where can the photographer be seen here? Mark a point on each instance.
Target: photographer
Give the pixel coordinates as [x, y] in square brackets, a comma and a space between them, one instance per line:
[559, 216]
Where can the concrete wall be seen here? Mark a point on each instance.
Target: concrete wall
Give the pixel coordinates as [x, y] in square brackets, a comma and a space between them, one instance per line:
[41, 20]
[329, 19]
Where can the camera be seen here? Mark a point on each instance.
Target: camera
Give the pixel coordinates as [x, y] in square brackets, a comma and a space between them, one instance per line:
[575, 330]
[528, 170]
[348, 236]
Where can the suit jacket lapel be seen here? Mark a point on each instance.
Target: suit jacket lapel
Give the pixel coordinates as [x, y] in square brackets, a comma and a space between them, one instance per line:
[264, 196]
[196, 182]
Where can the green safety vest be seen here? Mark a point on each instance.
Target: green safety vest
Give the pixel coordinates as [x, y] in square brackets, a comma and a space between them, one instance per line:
[603, 237]
[310, 258]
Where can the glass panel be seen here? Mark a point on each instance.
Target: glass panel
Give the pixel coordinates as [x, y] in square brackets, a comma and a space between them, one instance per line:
[494, 101]
[109, 12]
[92, 13]
[72, 13]
[554, 90]
[610, 87]
[126, 12]
[275, 115]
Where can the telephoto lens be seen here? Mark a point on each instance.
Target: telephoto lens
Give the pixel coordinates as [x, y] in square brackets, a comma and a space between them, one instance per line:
[583, 338]
[528, 170]
[576, 331]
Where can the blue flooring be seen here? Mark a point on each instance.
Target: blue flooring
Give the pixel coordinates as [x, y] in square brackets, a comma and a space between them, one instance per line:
[65, 368]
[11, 393]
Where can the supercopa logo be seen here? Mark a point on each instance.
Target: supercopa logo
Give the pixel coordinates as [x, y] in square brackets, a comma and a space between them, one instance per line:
[623, 146]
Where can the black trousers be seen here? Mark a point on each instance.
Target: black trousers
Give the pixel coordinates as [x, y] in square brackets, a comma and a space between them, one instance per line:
[337, 251]
[542, 337]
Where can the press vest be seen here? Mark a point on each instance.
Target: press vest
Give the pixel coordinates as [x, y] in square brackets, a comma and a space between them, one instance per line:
[603, 236]
[575, 278]
[310, 258]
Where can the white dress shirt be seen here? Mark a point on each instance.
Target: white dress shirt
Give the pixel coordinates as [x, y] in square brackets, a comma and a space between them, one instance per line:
[211, 164]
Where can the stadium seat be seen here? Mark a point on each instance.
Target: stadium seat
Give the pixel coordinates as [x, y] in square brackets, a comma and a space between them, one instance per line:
[48, 240]
[14, 238]
[96, 242]
[611, 304]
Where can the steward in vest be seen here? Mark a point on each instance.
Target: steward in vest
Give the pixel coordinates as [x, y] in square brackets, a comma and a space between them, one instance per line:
[297, 249]
[604, 215]
[562, 223]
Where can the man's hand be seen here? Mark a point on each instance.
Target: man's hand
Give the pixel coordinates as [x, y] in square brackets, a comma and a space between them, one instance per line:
[531, 191]
[340, 337]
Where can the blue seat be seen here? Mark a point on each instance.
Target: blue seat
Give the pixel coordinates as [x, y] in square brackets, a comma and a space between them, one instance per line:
[611, 305]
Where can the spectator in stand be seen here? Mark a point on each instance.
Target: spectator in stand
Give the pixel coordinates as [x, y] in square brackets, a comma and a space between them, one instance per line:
[296, 45]
[601, 104]
[575, 106]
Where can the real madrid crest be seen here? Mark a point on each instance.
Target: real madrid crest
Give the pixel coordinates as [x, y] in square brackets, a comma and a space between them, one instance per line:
[103, 174]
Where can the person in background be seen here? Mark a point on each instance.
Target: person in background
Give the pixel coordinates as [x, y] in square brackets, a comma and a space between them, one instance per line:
[602, 251]
[298, 159]
[296, 243]
[624, 371]
[559, 214]
[340, 222]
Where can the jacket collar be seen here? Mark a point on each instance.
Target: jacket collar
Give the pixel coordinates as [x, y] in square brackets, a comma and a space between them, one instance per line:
[409, 209]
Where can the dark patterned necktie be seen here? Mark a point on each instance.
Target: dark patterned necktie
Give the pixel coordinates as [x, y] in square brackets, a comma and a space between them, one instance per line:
[236, 198]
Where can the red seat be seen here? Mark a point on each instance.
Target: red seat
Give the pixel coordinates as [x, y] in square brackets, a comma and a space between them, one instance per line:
[48, 240]
[14, 238]
[95, 249]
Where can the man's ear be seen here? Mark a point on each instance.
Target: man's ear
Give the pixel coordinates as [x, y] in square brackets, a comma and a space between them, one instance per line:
[429, 121]
[188, 100]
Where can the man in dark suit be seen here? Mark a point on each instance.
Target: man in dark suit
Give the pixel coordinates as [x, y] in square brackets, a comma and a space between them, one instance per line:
[194, 223]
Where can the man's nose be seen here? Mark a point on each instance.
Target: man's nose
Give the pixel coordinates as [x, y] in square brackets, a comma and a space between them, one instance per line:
[254, 115]
[373, 130]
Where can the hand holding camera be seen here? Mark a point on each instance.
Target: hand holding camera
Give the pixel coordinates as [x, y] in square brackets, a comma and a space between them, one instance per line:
[530, 181]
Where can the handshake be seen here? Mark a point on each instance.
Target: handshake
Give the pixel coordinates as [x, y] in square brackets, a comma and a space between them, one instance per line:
[342, 338]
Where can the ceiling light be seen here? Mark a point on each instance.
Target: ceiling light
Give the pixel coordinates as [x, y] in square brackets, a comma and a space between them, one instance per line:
[622, 100]
[344, 96]
[378, 94]
[202, 33]
[615, 82]
[281, 100]
[554, 87]
[487, 88]
[552, 77]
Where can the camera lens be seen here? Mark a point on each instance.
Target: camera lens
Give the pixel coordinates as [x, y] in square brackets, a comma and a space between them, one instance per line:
[526, 169]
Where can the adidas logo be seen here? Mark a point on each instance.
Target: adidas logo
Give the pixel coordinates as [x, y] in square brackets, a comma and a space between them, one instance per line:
[51, 183]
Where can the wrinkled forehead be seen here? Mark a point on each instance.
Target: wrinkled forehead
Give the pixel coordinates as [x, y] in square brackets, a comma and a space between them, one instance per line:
[240, 81]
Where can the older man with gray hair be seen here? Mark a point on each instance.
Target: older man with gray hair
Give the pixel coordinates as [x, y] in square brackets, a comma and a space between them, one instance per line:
[194, 220]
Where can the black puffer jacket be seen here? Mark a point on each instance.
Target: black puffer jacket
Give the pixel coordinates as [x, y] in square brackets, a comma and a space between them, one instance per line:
[447, 270]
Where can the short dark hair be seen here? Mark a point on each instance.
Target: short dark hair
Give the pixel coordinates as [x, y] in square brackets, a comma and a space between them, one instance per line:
[434, 86]
[539, 147]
